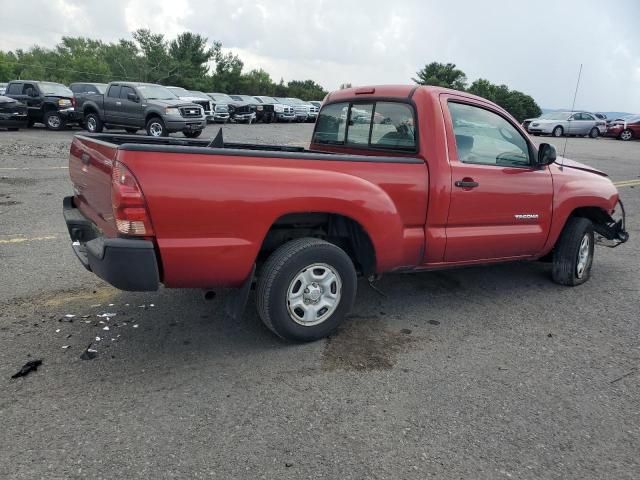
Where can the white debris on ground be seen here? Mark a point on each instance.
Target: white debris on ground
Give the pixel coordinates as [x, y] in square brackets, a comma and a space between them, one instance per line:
[106, 315]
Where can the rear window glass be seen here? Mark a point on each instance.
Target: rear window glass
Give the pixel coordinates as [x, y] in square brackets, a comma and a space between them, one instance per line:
[377, 125]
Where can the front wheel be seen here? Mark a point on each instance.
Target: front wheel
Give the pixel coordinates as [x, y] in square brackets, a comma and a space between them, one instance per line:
[156, 128]
[192, 134]
[573, 254]
[54, 121]
[626, 135]
[594, 132]
[305, 290]
[558, 131]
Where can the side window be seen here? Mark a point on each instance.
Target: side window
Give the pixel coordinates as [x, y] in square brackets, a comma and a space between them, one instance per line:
[331, 123]
[126, 91]
[393, 126]
[114, 91]
[485, 138]
[359, 123]
[586, 116]
[15, 89]
[28, 87]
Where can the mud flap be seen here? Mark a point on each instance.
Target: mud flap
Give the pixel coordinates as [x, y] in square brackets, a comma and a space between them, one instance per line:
[236, 301]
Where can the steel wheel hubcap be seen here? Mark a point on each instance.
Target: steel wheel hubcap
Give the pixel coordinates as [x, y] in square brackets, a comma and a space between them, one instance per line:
[314, 294]
[54, 121]
[626, 135]
[91, 124]
[155, 129]
[583, 256]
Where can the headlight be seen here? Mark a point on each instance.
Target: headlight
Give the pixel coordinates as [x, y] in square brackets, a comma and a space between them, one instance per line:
[172, 111]
[64, 102]
[278, 108]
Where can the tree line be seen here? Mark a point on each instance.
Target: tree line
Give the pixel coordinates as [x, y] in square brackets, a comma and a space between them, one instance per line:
[447, 75]
[188, 61]
[192, 62]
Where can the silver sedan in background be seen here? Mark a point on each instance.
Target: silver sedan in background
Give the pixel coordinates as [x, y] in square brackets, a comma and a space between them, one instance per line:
[559, 124]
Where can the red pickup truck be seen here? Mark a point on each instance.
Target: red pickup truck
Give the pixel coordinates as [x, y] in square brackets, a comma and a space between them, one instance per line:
[396, 178]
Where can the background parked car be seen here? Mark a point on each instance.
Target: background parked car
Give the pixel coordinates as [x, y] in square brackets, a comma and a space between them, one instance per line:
[316, 103]
[221, 108]
[13, 114]
[265, 112]
[282, 112]
[625, 129]
[3, 88]
[50, 103]
[134, 105]
[301, 109]
[567, 123]
[198, 98]
[239, 110]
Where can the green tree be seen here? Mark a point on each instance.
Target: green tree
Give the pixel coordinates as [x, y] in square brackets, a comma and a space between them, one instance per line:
[441, 75]
[157, 64]
[190, 55]
[256, 82]
[518, 104]
[305, 90]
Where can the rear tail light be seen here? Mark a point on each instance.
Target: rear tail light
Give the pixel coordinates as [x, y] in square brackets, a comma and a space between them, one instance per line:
[129, 207]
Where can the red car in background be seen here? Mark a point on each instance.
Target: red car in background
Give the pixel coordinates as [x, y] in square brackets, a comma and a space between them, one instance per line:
[625, 129]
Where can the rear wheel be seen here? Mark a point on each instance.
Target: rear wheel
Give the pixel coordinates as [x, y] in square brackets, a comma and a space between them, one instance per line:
[156, 128]
[558, 131]
[305, 290]
[626, 135]
[573, 255]
[193, 134]
[53, 120]
[93, 124]
[594, 133]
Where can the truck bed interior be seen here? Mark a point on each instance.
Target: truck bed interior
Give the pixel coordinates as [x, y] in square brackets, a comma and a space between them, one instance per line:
[217, 146]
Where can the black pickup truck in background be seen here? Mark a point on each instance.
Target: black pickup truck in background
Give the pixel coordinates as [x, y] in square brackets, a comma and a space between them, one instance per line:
[134, 106]
[47, 102]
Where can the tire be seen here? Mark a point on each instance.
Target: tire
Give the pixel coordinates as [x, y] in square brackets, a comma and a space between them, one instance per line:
[93, 124]
[573, 254]
[286, 272]
[195, 134]
[558, 131]
[626, 135]
[53, 120]
[594, 133]
[131, 131]
[155, 127]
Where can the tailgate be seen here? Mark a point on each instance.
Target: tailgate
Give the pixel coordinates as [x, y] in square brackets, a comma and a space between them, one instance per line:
[90, 165]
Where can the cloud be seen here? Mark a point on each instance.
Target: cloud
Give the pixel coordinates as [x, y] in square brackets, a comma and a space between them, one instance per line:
[535, 47]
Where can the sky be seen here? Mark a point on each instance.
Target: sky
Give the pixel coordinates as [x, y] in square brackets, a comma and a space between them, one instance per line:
[535, 46]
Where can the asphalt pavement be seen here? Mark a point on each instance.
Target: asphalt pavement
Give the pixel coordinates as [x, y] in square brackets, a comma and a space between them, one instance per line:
[482, 373]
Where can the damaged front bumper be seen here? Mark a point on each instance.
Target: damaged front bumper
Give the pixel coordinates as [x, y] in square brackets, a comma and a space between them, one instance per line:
[613, 232]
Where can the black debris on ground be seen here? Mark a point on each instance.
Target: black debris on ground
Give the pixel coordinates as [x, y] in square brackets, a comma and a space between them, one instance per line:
[27, 368]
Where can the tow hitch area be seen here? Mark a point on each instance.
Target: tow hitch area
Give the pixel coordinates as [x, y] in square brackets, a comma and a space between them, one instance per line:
[612, 233]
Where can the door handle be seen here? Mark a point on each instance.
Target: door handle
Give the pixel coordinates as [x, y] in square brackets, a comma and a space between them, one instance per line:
[118, 103]
[466, 183]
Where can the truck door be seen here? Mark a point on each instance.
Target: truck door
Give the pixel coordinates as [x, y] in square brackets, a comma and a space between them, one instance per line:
[112, 105]
[131, 110]
[33, 98]
[501, 204]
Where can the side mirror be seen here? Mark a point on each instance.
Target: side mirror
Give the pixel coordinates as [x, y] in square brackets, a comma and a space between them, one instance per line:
[133, 97]
[546, 154]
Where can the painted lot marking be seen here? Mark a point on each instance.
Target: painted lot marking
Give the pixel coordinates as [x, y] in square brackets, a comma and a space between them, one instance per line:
[26, 239]
[13, 169]
[627, 183]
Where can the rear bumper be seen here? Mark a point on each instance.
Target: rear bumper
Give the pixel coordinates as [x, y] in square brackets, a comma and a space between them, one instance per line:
[127, 264]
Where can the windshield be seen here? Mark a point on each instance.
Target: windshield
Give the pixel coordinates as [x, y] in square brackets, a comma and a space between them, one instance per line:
[295, 100]
[180, 92]
[195, 93]
[220, 97]
[55, 89]
[156, 92]
[554, 116]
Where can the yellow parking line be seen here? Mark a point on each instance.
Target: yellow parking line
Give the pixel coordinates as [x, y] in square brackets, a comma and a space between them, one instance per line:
[627, 183]
[13, 169]
[25, 239]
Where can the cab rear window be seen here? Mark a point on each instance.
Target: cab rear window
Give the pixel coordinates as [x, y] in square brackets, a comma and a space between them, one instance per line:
[375, 125]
